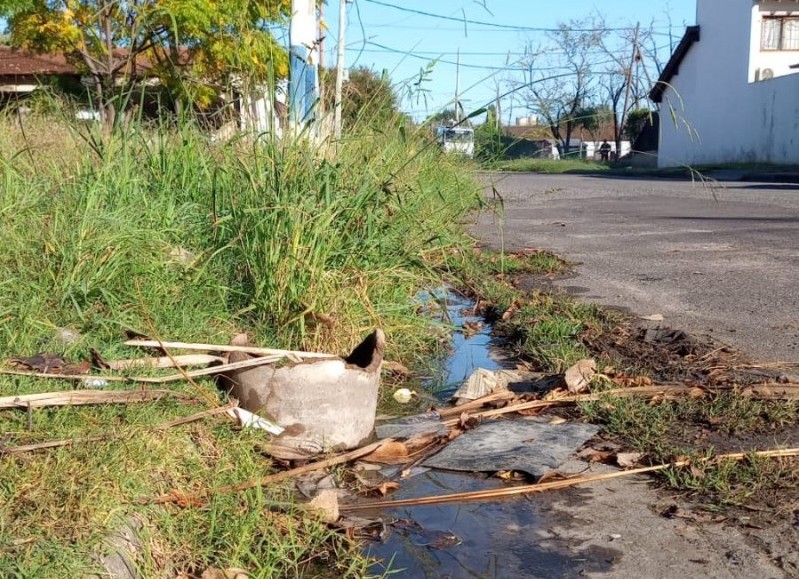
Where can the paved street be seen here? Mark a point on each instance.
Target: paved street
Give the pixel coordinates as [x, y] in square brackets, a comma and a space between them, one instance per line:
[720, 260]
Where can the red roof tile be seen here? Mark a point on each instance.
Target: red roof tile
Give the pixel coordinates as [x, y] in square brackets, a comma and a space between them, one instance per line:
[17, 62]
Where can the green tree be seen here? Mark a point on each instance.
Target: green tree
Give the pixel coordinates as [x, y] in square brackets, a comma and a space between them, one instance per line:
[367, 96]
[191, 44]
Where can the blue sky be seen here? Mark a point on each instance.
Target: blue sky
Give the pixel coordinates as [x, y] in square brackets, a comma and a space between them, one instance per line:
[404, 42]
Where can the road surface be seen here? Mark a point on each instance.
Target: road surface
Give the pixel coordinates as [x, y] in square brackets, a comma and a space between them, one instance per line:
[719, 259]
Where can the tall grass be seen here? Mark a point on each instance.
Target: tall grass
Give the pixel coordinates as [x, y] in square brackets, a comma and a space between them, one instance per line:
[157, 230]
[262, 235]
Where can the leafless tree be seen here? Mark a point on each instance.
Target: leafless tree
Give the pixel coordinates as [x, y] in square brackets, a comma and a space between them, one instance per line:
[558, 79]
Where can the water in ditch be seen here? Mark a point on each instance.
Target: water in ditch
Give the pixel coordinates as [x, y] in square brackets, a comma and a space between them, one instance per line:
[504, 538]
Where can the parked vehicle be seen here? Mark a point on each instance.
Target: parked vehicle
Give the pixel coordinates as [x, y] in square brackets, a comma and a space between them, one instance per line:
[458, 140]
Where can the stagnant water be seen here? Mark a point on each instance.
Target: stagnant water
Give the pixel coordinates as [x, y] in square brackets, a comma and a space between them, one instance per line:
[471, 540]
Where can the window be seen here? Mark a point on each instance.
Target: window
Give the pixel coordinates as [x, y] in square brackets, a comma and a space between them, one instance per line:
[780, 33]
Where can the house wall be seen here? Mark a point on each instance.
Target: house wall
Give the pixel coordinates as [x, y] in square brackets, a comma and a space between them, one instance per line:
[778, 61]
[712, 113]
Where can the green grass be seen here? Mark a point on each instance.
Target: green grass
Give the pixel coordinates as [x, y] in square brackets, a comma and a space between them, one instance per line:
[672, 430]
[551, 166]
[155, 230]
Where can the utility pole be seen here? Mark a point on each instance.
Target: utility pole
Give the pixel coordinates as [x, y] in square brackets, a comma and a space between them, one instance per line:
[629, 86]
[342, 24]
[457, 88]
[303, 57]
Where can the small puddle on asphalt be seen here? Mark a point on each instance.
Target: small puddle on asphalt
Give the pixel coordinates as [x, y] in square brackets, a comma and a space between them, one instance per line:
[504, 538]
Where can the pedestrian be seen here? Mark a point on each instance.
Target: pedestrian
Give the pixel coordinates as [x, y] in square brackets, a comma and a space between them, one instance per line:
[604, 150]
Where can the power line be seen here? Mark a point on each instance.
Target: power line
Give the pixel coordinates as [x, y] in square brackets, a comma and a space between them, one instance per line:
[492, 24]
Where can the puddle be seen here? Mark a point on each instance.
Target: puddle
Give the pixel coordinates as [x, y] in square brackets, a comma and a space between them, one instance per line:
[478, 350]
[504, 538]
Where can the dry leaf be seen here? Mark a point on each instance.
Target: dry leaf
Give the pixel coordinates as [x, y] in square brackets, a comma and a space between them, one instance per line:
[594, 455]
[652, 318]
[230, 573]
[557, 420]
[510, 475]
[325, 504]
[468, 422]
[395, 368]
[696, 393]
[551, 475]
[389, 453]
[629, 459]
[387, 487]
[578, 377]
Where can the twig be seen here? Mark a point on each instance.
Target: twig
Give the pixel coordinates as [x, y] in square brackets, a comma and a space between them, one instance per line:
[226, 348]
[274, 478]
[474, 404]
[46, 445]
[70, 441]
[561, 484]
[250, 363]
[198, 416]
[84, 397]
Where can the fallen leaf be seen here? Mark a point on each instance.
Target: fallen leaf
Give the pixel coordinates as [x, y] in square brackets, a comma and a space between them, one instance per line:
[652, 318]
[395, 368]
[696, 393]
[557, 420]
[629, 459]
[594, 455]
[468, 422]
[551, 475]
[387, 487]
[325, 504]
[510, 475]
[389, 453]
[578, 377]
[230, 573]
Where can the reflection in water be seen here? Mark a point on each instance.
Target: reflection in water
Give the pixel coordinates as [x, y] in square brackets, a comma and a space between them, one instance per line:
[482, 540]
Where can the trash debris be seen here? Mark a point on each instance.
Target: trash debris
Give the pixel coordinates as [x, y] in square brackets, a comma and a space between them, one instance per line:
[325, 504]
[578, 377]
[629, 459]
[247, 419]
[403, 395]
[410, 426]
[95, 383]
[66, 336]
[50, 364]
[483, 382]
[323, 403]
[528, 445]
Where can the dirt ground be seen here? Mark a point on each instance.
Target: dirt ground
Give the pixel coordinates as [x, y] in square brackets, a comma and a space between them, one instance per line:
[652, 531]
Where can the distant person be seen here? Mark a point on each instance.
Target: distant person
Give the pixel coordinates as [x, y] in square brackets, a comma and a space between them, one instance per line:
[604, 150]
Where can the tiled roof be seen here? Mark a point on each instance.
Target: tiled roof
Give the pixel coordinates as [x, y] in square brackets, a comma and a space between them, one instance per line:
[17, 62]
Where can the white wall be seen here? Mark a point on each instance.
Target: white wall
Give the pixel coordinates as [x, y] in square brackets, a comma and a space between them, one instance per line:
[778, 61]
[713, 114]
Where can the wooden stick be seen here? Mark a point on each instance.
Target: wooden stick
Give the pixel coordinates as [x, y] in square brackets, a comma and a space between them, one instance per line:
[70, 441]
[166, 362]
[198, 416]
[84, 397]
[250, 363]
[561, 484]
[45, 445]
[274, 478]
[474, 404]
[226, 348]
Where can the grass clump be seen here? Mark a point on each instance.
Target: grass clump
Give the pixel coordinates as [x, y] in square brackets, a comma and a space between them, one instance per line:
[155, 230]
[699, 429]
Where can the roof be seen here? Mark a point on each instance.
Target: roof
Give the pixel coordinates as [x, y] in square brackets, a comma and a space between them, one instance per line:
[17, 62]
[543, 133]
[673, 66]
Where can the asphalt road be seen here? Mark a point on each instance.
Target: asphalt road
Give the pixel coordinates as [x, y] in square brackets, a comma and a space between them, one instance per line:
[717, 259]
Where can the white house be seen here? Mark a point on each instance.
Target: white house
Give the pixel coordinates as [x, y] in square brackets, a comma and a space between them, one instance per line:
[730, 93]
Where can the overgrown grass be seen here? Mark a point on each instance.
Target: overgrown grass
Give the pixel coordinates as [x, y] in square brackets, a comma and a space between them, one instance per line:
[157, 231]
[552, 166]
